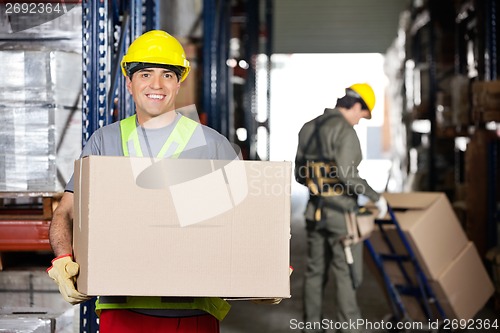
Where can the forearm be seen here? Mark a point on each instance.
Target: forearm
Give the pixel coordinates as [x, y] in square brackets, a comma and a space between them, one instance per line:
[357, 185]
[349, 176]
[64, 269]
[61, 227]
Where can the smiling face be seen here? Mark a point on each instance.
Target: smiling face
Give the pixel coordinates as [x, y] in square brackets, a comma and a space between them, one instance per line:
[154, 91]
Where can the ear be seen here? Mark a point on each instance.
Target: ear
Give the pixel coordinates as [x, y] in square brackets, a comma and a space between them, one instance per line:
[358, 107]
[178, 87]
[129, 85]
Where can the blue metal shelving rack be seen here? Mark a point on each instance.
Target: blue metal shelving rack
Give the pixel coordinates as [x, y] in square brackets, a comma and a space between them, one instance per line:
[217, 86]
[107, 28]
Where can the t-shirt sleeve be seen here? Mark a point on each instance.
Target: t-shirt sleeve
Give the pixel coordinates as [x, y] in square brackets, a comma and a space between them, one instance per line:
[91, 148]
[227, 150]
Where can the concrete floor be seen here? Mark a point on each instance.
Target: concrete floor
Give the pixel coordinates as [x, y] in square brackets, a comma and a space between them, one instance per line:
[249, 317]
[29, 298]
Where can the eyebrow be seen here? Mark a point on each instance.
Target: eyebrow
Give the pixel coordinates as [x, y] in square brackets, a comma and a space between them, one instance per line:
[150, 70]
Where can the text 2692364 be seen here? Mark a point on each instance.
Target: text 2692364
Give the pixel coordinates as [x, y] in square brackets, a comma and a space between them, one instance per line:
[34, 8]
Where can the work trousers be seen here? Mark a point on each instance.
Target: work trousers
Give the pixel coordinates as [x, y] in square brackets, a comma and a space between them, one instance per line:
[127, 321]
[326, 251]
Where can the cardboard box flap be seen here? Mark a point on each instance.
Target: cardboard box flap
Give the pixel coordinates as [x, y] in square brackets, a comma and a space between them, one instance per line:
[412, 200]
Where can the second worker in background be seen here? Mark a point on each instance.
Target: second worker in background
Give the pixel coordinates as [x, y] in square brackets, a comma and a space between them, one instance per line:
[327, 160]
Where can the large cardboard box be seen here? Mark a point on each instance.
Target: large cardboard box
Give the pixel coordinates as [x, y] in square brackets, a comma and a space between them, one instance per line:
[182, 227]
[462, 290]
[431, 227]
[465, 286]
[451, 263]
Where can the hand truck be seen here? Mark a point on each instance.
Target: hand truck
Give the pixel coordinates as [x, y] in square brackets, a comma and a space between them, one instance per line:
[418, 287]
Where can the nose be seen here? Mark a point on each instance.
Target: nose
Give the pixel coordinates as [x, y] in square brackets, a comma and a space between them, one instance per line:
[155, 82]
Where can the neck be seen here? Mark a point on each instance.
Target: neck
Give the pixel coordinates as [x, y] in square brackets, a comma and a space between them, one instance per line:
[344, 112]
[348, 115]
[158, 121]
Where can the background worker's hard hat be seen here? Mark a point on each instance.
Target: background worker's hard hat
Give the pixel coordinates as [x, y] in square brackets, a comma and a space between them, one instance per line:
[156, 47]
[366, 93]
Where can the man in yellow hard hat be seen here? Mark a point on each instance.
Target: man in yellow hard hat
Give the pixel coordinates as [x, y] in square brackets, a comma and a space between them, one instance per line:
[154, 67]
[327, 160]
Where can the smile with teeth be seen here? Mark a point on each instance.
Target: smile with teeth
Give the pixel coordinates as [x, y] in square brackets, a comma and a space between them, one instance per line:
[155, 96]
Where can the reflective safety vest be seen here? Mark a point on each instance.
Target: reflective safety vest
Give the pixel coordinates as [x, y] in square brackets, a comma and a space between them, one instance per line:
[182, 132]
[217, 307]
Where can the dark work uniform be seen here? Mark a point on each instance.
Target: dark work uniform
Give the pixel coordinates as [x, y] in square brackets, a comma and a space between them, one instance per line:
[338, 142]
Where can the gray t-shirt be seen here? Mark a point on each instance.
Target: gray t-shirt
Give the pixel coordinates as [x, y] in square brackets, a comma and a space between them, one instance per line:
[205, 143]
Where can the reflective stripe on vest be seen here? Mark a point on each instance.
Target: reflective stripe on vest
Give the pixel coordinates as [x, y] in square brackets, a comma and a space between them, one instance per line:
[181, 134]
[215, 306]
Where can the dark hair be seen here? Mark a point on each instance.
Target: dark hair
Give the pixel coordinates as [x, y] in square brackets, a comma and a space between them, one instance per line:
[133, 67]
[347, 102]
[351, 98]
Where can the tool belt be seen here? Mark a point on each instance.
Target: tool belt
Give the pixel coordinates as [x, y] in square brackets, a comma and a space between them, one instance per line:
[360, 225]
[322, 179]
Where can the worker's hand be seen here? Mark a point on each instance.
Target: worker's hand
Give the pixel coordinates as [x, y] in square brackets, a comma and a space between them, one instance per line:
[64, 271]
[382, 207]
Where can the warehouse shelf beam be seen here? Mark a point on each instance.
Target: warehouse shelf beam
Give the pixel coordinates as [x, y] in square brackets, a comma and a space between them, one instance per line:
[493, 197]
[222, 101]
[217, 90]
[250, 87]
[269, 51]
[94, 54]
[433, 86]
[490, 47]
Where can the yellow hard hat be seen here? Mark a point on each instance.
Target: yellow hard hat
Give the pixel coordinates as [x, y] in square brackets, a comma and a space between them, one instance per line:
[366, 93]
[156, 47]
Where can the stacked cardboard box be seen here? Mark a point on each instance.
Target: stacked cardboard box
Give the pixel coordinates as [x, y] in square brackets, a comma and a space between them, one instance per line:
[486, 101]
[450, 262]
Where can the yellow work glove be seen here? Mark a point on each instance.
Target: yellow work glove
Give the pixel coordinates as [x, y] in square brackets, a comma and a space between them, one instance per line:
[272, 301]
[64, 271]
